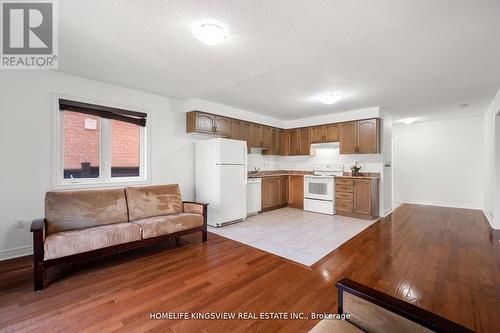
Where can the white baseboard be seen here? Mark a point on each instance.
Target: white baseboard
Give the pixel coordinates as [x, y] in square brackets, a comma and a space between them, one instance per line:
[439, 204]
[16, 252]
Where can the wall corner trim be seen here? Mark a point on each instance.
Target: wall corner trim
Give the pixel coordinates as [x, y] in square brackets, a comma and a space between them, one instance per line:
[489, 218]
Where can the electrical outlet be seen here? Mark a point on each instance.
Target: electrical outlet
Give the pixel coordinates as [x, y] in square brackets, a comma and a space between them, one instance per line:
[19, 224]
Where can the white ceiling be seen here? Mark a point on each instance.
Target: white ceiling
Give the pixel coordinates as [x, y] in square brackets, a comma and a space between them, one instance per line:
[397, 54]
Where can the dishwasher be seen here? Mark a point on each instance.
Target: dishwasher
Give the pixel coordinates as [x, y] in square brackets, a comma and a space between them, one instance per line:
[253, 196]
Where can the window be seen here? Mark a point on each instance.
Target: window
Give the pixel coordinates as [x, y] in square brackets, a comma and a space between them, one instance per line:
[99, 145]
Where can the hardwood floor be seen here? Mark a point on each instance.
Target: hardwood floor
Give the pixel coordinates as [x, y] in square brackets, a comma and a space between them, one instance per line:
[441, 259]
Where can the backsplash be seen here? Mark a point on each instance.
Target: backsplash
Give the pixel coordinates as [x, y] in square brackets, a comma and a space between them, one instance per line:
[369, 162]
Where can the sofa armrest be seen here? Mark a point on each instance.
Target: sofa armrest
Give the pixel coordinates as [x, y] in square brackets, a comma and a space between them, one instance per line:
[38, 230]
[38, 225]
[194, 207]
[195, 203]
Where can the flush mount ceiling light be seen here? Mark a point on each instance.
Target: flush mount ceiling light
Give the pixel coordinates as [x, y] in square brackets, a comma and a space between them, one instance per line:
[330, 97]
[209, 33]
[408, 121]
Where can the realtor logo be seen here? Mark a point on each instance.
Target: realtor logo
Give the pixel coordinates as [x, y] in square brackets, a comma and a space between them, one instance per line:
[29, 35]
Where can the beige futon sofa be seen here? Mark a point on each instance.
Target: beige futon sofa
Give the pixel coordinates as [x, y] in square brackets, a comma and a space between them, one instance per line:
[84, 224]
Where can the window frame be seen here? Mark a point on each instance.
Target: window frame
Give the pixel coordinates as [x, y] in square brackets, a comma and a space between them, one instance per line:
[105, 150]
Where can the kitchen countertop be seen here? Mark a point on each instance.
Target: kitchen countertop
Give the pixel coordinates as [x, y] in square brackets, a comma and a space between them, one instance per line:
[278, 173]
[366, 175]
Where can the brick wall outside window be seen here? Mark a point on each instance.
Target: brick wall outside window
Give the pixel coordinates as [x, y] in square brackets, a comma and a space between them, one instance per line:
[83, 145]
[125, 144]
[80, 145]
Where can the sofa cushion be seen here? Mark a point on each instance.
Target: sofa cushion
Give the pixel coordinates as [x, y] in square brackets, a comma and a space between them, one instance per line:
[66, 243]
[168, 224]
[149, 201]
[70, 210]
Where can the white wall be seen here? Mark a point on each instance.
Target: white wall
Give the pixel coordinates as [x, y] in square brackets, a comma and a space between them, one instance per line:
[229, 111]
[496, 178]
[373, 112]
[439, 162]
[26, 144]
[491, 192]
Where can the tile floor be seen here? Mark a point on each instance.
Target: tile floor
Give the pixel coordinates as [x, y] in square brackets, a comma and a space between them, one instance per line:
[294, 234]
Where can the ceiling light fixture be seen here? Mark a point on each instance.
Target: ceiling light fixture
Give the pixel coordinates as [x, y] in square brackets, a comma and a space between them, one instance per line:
[330, 97]
[408, 121]
[210, 34]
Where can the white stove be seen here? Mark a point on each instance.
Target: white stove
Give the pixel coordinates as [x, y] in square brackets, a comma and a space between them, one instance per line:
[319, 188]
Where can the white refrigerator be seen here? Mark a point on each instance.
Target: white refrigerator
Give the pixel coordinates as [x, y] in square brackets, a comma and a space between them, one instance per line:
[221, 178]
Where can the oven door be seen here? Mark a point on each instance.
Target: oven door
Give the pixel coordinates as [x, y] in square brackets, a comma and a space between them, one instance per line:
[320, 188]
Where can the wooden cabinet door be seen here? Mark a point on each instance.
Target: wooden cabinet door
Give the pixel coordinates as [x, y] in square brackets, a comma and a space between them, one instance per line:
[348, 138]
[317, 134]
[267, 137]
[223, 126]
[256, 135]
[273, 148]
[294, 142]
[237, 130]
[362, 196]
[331, 133]
[267, 195]
[278, 142]
[283, 190]
[296, 192]
[368, 136]
[286, 142]
[205, 123]
[305, 141]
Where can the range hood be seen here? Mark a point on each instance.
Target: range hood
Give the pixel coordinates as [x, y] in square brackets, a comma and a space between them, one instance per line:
[328, 145]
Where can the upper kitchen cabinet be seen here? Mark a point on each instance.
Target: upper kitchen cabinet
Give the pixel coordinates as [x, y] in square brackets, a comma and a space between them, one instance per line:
[348, 139]
[200, 122]
[267, 138]
[325, 133]
[237, 129]
[223, 126]
[305, 141]
[273, 148]
[256, 135]
[317, 134]
[205, 123]
[360, 137]
[332, 133]
[368, 136]
[356, 137]
[297, 141]
[293, 138]
[278, 142]
[245, 133]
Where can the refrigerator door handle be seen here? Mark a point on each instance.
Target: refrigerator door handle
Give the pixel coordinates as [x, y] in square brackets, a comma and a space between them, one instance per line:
[246, 164]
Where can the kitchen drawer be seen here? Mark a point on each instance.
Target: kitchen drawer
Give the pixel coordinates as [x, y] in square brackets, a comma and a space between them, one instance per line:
[346, 206]
[344, 195]
[344, 188]
[344, 181]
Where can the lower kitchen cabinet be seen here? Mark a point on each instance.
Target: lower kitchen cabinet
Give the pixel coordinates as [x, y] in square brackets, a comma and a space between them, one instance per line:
[274, 192]
[296, 191]
[357, 197]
